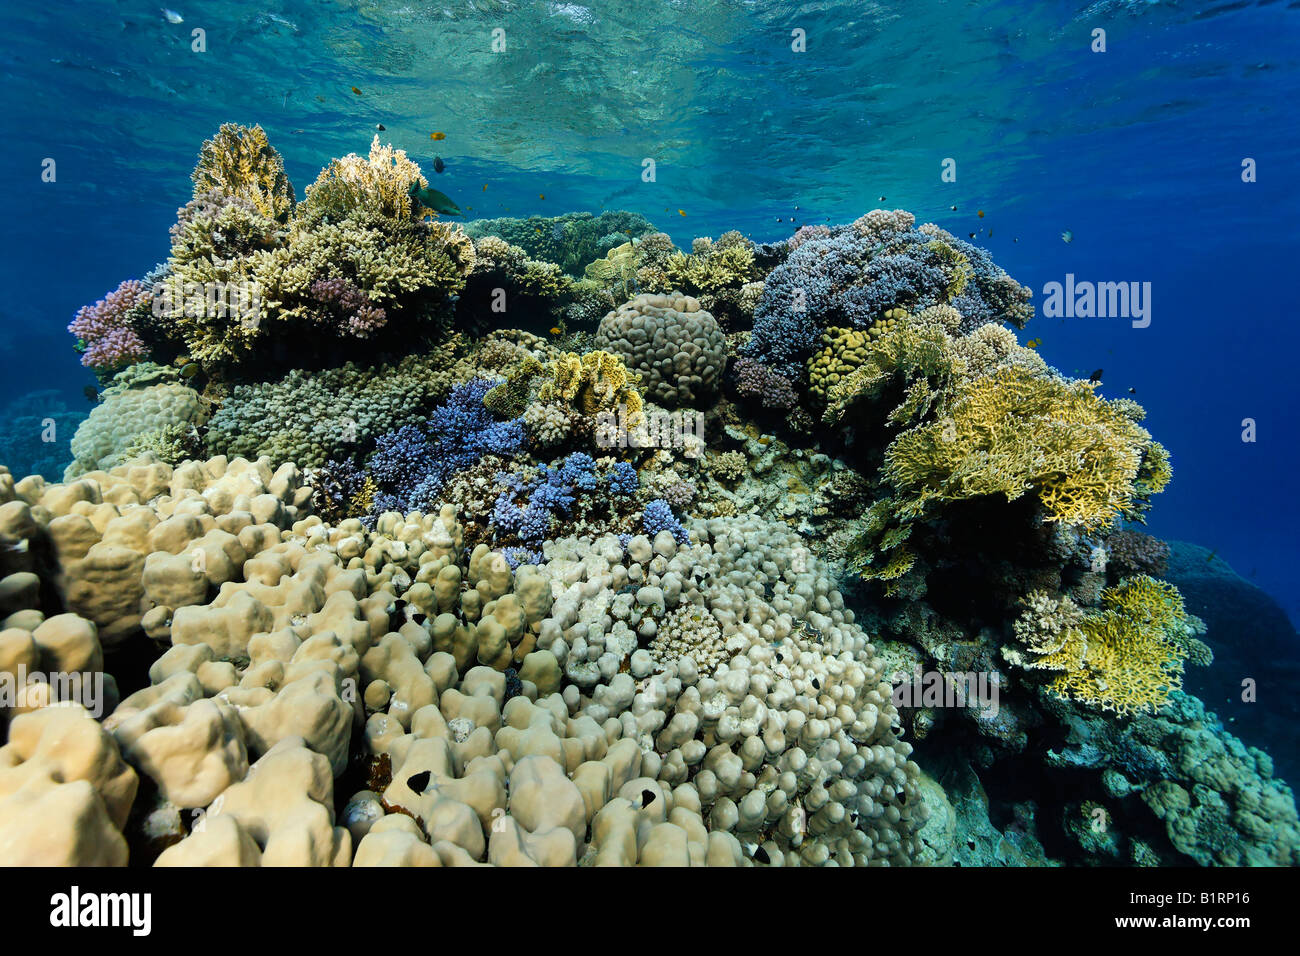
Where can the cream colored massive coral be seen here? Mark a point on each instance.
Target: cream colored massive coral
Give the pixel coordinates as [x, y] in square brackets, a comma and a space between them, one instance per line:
[506, 717]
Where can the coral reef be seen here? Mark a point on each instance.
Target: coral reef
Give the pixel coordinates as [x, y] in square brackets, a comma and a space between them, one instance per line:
[571, 240]
[310, 417]
[596, 551]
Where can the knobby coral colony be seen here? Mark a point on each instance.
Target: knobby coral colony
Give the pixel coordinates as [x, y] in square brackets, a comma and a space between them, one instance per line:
[471, 582]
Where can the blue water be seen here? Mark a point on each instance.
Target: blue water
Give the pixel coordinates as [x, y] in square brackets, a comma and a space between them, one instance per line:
[1137, 151]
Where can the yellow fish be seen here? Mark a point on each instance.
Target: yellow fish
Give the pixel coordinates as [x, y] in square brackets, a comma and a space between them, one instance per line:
[485, 187]
[980, 213]
[541, 195]
[681, 212]
[438, 136]
[356, 91]
[555, 331]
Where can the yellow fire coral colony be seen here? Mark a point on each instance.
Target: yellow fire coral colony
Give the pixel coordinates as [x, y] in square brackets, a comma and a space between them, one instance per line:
[1013, 433]
[592, 383]
[240, 162]
[1127, 658]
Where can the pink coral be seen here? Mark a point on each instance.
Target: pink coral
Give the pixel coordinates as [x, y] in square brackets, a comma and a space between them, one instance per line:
[361, 317]
[804, 233]
[105, 328]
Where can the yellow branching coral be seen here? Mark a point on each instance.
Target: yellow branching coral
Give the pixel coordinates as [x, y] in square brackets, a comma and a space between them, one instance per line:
[378, 185]
[1013, 433]
[1127, 658]
[592, 383]
[239, 161]
[712, 266]
[386, 260]
[616, 270]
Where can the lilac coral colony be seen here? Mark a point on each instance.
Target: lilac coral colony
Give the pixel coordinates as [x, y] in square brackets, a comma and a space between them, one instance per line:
[679, 558]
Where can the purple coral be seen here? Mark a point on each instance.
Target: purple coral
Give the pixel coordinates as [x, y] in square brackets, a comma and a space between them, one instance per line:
[105, 328]
[759, 383]
[1134, 552]
[680, 495]
[354, 310]
[850, 275]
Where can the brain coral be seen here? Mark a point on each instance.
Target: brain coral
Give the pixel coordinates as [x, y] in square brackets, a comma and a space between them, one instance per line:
[676, 346]
[123, 416]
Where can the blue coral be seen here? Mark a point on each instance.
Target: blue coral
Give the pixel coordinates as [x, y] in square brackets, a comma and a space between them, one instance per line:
[658, 517]
[850, 278]
[412, 464]
[623, 480]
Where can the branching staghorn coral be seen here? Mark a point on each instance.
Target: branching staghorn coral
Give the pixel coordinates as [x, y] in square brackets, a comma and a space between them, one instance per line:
[105, 329]
[378, 186]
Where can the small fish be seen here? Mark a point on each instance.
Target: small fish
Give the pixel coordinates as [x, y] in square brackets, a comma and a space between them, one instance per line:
[681, 212]
[541, 195]
[980, 213]
[356, 91]
[319, 98]
[438, 164]
[419, 781]
[953, 208]
[1211, 556]
[438, 136]
[792, 218]
[1096, 376]
[381, 127]
[171, 16]
[972, 235]
[485, 187]
[1015, 240]
[189, 370]
[882, 199]
[91, 393]
[990, 232]
[1132, 391]
[796, 208]
[1067, 236]
[555, 330]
